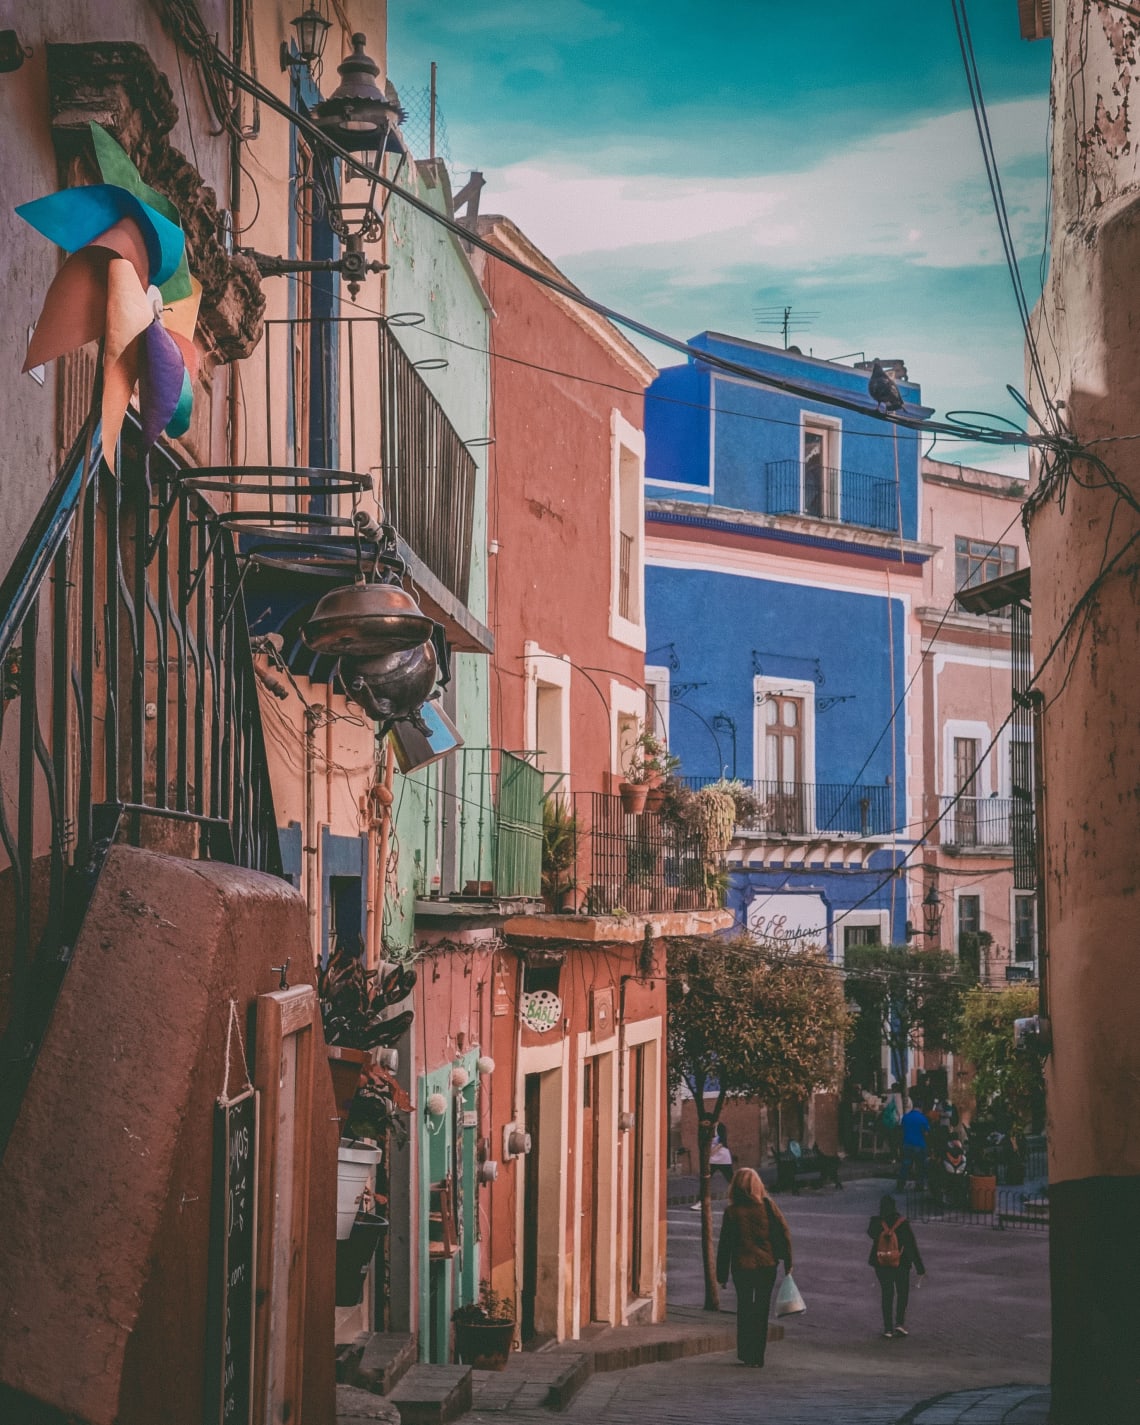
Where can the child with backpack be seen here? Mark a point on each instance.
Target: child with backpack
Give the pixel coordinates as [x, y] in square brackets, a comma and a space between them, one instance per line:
[893, 1252]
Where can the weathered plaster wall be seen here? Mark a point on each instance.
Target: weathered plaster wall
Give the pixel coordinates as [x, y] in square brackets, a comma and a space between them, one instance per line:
[1090, 730]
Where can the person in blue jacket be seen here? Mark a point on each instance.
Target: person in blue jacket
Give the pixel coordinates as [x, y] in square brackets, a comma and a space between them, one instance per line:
[915, 1127]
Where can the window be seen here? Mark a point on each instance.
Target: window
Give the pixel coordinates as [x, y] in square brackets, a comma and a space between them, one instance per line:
[1024, 929]
[976, 561]
[657, 699]
[548, 714]
[969, 916]
[966, 808]
[627, 578]
[820, 496]
[861, 935]
[784, 753]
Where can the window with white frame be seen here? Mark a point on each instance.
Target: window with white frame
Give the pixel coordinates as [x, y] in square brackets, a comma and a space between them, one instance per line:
[819, 466]
[783, 753]
[657, 700]
[548, 713]
[627, 484]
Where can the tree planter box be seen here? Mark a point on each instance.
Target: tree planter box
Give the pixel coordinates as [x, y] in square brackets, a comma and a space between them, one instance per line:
[484, 1345]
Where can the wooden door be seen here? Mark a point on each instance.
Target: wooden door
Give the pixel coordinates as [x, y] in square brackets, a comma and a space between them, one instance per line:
[284, 1078]
[588, 1288]
[784, 762]
[532, 1100]
[636, 1139]
[965, 771]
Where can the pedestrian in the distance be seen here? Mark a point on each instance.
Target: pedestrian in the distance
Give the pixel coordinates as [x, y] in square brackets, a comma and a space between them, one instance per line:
[915, 1127]
[754, 1238]
[894, 1252]
[720, 1160]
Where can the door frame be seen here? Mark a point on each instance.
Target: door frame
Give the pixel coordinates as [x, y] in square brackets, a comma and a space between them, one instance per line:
[543, 1059]
[763, 687]
[648, 1033]
[604, 1053]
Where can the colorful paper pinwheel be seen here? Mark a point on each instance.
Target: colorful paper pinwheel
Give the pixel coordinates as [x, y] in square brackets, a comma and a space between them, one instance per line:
[126, 283]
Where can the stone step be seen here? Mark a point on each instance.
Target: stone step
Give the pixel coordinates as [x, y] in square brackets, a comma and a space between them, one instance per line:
[383, 1359]
[432, 1395]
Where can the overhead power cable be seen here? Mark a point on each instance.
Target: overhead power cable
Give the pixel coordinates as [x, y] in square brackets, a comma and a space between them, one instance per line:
[210, 54]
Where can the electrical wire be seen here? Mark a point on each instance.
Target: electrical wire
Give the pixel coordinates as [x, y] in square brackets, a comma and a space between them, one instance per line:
[206, 52]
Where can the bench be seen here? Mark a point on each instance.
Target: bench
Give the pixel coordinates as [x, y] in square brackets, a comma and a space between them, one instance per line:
[796, 1165]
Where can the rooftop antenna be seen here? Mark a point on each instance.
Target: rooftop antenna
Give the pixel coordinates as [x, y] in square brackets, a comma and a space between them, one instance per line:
[782, 318]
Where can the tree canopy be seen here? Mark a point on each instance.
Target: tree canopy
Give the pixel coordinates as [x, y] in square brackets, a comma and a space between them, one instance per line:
[1003, 1075]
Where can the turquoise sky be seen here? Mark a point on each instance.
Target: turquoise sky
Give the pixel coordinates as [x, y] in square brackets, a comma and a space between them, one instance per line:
[690, 163]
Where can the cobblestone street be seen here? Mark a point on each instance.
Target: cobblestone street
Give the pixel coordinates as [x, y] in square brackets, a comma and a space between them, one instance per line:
[979, 1322]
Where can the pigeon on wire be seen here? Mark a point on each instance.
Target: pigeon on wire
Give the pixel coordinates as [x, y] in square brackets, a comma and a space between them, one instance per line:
[883, 390]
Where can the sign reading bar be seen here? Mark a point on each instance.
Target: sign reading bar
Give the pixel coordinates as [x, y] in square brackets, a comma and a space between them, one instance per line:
[232, 1260]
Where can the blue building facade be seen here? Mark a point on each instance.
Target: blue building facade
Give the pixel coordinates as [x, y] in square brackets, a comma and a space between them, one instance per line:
[782, 576]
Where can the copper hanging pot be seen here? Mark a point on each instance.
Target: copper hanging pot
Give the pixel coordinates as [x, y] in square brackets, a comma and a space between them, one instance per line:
[366, 621]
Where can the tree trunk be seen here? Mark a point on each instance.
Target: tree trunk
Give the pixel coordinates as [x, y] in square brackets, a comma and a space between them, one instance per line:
[705, 1125]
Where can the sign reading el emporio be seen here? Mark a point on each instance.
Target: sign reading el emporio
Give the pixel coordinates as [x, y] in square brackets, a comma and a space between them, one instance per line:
[540, 1010]
[795, 921]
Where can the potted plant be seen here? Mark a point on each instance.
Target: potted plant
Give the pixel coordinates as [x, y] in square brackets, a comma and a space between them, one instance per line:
[657, 764]
[354, 1002]
[559, 850]
[982, 1174]
[485, 1330]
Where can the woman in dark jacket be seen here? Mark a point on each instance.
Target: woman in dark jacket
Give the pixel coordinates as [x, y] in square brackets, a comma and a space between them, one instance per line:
[753, 1238]
[894, 1281]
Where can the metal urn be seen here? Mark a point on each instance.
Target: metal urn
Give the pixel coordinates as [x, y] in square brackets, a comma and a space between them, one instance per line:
[366, 621]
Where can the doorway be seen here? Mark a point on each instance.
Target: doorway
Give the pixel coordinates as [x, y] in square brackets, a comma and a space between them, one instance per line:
[636, 1169]
[591, 1192]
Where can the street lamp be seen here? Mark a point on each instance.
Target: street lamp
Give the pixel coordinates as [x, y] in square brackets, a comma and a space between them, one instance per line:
[312, 31]
[357, 116]
[932, 912]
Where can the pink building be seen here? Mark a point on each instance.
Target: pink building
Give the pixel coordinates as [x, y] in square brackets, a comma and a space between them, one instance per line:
[974, 519]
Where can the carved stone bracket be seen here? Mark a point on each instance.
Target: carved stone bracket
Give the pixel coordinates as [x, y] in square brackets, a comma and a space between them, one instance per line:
[118, 85]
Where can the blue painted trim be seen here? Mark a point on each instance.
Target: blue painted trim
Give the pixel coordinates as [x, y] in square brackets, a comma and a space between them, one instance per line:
[812, 541]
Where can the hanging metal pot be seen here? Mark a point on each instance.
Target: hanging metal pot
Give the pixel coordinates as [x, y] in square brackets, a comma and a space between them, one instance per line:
[394, 685]
[366, 621]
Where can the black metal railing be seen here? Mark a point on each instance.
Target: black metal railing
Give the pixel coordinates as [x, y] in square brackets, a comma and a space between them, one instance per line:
[1004, 1207]
[640, 862]
[793, 487]
[978, 823]
[808, 808]
[128, 694]
[342, 393]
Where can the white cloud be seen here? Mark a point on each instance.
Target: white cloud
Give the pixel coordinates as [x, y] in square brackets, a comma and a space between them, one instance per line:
[917, 193]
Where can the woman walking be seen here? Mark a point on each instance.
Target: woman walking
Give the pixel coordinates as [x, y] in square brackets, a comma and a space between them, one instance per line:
[893, 1252]
[754, 1237]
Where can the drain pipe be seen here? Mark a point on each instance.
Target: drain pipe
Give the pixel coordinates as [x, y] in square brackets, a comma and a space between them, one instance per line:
[310, 848]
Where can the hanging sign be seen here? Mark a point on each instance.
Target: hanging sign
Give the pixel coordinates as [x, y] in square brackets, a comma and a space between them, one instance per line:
[541, 1010]
[230, 1312]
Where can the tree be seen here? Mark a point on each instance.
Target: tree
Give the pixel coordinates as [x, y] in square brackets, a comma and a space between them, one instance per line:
[913, 996]
[749, 1020]
[1003, 1074]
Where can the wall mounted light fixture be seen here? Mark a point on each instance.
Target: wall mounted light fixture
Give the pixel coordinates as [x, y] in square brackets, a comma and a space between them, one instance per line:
[312, 31]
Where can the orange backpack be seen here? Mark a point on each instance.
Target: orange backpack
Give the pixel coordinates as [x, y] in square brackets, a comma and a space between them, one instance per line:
[888, 1253]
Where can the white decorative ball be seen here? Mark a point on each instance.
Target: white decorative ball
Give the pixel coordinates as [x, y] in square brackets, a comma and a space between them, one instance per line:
[437, 1104]
[485, 1064]
[460, 1078]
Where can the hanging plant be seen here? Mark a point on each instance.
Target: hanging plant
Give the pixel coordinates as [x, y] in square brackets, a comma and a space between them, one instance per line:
[712, 815]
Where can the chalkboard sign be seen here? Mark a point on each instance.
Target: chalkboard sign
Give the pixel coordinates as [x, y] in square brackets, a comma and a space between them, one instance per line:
[233, 1241]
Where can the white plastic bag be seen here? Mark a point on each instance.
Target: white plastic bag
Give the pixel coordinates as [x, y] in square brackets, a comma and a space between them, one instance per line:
[789, 1302]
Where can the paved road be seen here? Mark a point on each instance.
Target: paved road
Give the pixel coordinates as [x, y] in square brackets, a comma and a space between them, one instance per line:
[980, 1320]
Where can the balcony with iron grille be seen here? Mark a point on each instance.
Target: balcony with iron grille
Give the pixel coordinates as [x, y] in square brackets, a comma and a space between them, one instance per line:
[797, 811]
[322, 395]
[984, 825]
[480, 839]
[846, 497]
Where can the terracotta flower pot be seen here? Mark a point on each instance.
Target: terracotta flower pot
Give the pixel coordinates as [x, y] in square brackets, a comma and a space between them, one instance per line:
[655, 797]
[633, 795]
[572, 900]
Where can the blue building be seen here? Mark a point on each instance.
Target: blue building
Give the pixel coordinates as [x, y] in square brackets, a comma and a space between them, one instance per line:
[783, 571]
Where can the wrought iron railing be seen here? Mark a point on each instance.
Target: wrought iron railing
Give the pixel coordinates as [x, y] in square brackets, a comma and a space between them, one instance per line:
[979, 822]
[482, 826]
[810, 808]
[641, 862]
[846, 496]
[128, 695]
[341, 393]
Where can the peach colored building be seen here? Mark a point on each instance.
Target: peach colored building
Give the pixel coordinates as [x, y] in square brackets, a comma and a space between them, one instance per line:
[973, 517]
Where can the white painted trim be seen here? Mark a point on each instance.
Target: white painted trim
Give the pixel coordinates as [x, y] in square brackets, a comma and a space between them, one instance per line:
[842, 918]
[540, 1059]
[658, 677]
[627, 437]
[762, 687]
[835, 426]
[631, 702]
[980, 731]
[552, 670]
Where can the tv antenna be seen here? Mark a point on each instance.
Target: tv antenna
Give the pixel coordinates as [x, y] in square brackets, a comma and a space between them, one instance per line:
[782, 318]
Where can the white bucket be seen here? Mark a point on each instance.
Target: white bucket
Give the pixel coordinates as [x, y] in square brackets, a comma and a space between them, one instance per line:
[356, 1162]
